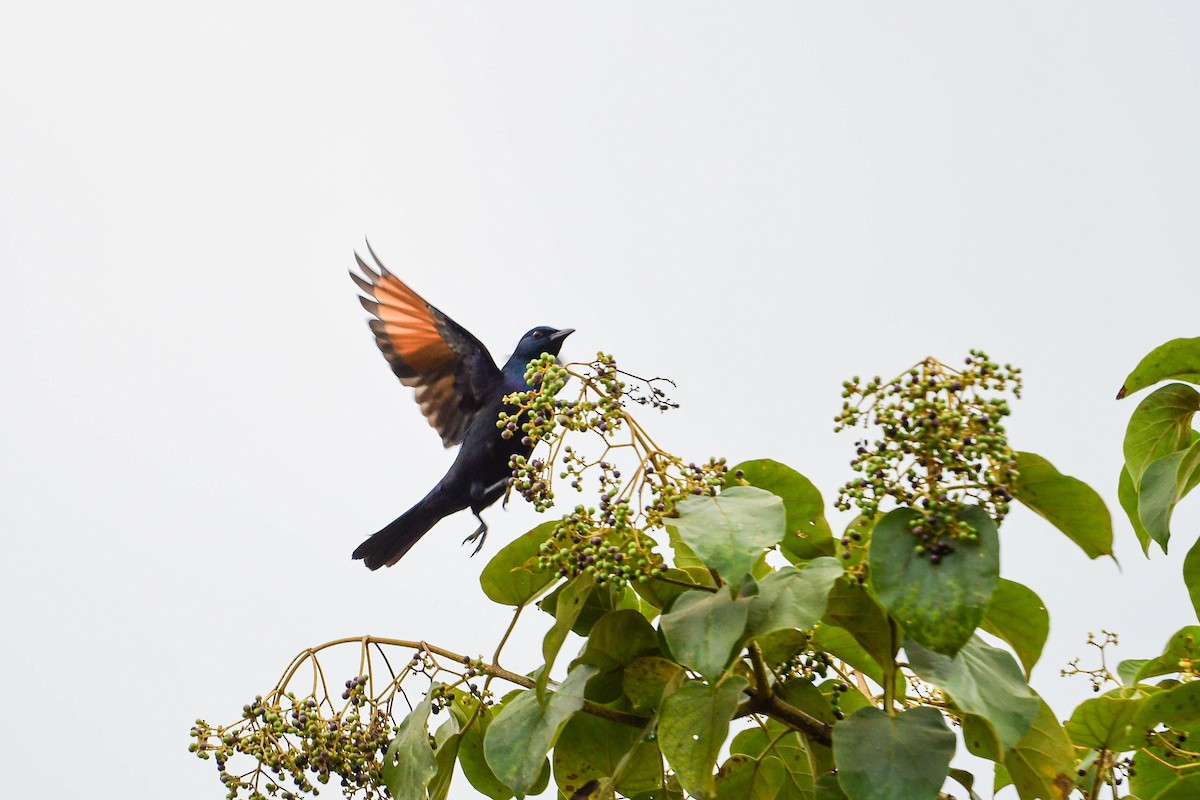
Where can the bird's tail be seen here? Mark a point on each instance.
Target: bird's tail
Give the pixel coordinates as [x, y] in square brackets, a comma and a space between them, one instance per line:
[389, 545]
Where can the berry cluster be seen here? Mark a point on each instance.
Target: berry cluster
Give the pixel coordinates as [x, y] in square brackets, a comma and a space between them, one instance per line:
[612, 540]
[942, 443]
[295, 744]
[299, 743]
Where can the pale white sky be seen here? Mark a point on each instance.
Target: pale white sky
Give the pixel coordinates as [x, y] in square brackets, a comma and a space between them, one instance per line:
[757, 200]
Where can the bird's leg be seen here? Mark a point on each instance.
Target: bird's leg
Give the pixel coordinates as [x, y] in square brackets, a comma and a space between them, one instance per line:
[480, 533]
[499, 486]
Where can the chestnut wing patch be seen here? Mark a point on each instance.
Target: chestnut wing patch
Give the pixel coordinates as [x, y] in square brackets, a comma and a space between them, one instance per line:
[449, 368]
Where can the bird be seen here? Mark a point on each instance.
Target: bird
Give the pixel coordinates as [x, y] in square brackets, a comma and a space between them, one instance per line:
[461, 392]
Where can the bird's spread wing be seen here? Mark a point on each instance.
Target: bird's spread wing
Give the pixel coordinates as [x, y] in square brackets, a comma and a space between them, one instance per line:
[449, 368]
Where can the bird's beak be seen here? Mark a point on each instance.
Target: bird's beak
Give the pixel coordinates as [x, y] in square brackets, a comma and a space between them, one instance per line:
[559, 335]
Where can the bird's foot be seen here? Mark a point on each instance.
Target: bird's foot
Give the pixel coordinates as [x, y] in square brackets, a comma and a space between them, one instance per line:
[480, 534]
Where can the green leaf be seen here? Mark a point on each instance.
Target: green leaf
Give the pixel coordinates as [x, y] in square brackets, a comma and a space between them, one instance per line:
[1042, 764]
[1165, 482]
[1127, 670]
[409, 764]
[511, 578]
[903, 757]
[828, 788]
[617, 639]
[566, 611]
[938, 605]
[590, 748]
[703, 628]
[1128, 497]
[779, 646]
[982, 680]
[661, 594]
[1159, 426]
[647, 680]
[603, 599]
[852, 609]
[1108, 722]
[808, 534]
[751, 779]
[517, 740]
[470, 752]
[1178, 359]
[447, 757]
[966, 780]
[1183, 644]
[793, 598]
[1191, 575]
[1166, 772]
[840, 643]
[447, 741]
[1176, 706]
[1067, 503]
[1017, 615]
[788, 745]
[692, 728]
[730, 531]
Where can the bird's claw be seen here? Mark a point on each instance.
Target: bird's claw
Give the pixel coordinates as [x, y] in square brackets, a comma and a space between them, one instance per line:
[480, 534]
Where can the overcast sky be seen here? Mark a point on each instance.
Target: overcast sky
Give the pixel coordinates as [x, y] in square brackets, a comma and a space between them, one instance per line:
[757, 200]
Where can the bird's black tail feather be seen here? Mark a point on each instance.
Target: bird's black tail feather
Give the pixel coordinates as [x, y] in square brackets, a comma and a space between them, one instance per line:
[391, 543]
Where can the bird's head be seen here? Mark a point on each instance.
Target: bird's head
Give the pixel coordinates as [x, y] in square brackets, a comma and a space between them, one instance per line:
[540, 340]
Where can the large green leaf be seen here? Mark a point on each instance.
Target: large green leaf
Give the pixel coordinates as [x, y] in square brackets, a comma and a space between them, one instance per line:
[1042, 765]
[1017, 615]
[660, 594]
[808, 534]
[590, 748]
[470, 752]
[788, 746]
[1127, 495]
[965, 780]
[1183, 644]
[1159, 426]
[903, 757]
[793, 598]
[604, 598]
[730, 531]
[1164, 483]
[840, 643]
[1178, 359]
[938, 605]
[409, 764]
[981, 680]
[446, 743]
[566, 611]
[617, 639]
[703, 628]
[852, 609]
[1067, 503]
[511, 578]
[517, 740]
[749, 778]
[647, 680]
[1178, 705]
[1108, 722]
[1191, 575]
[692, 728]
[1160, 769]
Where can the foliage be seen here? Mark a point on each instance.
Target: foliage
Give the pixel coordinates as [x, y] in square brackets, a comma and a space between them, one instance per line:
[719, 612]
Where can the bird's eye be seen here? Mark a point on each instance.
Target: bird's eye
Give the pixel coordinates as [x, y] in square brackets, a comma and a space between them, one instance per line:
[537, 334]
